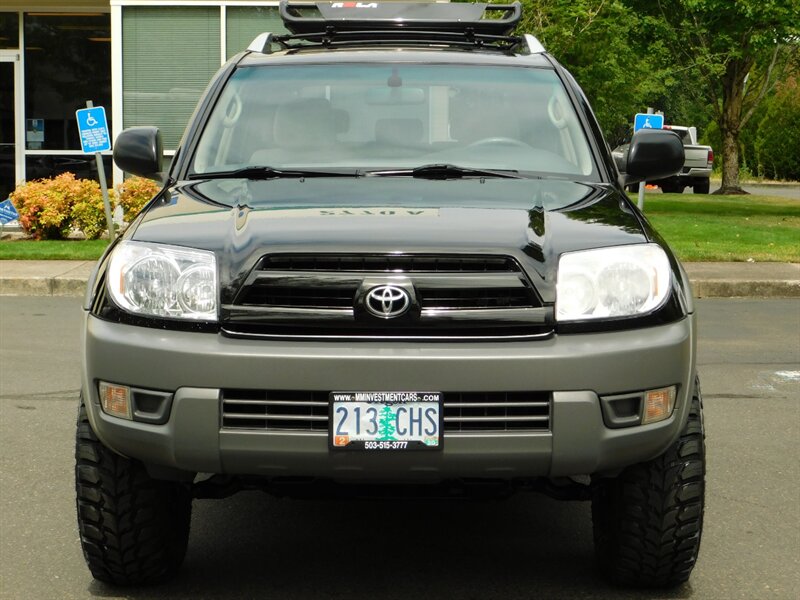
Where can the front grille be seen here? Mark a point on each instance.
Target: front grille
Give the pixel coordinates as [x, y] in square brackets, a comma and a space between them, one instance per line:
[487, 412]
[277, 295]
[321, 296]
[497, 411]
[388, 263]
[470, 298]
[274, 410]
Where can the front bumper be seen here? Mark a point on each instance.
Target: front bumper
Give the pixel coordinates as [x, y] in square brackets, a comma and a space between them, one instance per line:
[576, 368]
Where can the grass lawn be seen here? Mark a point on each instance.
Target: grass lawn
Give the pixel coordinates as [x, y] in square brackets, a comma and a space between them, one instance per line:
[727, 228]
[699, 228]
[52, 249]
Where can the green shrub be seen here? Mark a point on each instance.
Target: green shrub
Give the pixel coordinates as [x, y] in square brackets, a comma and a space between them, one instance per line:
[778, 143]
[89, 214]
[133, 194]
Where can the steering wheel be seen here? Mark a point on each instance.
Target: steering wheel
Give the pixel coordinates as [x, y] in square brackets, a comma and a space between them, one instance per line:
[498, 140]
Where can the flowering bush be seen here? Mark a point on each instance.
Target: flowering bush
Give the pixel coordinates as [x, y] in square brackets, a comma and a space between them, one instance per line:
[50, 208]
[47, 207]
[133, 194]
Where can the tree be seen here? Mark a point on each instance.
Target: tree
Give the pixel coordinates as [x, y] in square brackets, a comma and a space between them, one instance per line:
[592, 38]
[738, 50]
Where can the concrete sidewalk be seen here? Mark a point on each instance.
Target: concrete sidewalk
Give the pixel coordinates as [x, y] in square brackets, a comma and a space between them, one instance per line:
[710, 280]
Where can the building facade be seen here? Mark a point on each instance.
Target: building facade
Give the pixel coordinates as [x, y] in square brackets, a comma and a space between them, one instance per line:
[145, 61]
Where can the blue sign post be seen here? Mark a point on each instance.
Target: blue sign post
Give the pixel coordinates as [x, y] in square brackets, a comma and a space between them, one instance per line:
[95, 138]
[647, 121]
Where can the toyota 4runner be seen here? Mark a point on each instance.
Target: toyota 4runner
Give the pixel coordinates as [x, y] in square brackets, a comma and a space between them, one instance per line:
[393, 249]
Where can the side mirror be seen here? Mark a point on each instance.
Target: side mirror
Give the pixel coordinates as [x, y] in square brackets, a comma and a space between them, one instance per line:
[653, 154]
[139, 151]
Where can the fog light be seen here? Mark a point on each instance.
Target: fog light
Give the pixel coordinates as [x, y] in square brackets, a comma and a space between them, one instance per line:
[115, 400]
[658, 404]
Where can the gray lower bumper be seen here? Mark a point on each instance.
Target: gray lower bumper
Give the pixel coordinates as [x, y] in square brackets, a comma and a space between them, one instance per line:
[576, 368]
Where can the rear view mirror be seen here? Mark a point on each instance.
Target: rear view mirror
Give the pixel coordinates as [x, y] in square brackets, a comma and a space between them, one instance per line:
[139, 151]
[395, 96]
[653, 154]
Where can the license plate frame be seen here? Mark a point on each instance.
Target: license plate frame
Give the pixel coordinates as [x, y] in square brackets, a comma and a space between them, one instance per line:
[377, 434]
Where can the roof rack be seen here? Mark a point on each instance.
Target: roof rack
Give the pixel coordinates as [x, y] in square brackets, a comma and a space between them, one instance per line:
[337, 24]
[302, 18]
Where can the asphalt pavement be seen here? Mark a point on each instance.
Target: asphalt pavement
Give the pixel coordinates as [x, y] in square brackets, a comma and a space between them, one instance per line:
[254, 546]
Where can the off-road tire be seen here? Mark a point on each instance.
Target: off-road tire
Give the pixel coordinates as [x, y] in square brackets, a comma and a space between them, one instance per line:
[671, 188]
[702, 188]
[134, 529]
[648, 521]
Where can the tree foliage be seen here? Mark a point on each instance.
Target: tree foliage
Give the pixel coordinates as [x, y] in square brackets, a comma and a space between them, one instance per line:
[592, 38]
[734, 52]
[778, 142]
[698, 61]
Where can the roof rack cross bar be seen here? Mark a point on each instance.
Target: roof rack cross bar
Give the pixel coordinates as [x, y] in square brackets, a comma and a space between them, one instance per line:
[392, 36]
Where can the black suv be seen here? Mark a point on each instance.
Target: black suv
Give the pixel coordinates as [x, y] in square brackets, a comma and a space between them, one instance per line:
[392, 250]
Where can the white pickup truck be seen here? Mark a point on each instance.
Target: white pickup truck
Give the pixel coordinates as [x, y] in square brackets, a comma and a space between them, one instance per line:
[696, 169]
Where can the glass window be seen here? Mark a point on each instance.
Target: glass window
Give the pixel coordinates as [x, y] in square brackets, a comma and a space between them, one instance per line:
[9, 30]
[67, 62]
[169, 55]
[395, 116]
[7, 155]
[244, 23]
[83, 166]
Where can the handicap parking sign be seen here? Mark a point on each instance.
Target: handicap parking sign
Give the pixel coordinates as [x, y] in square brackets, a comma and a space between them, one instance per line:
[7, 212]
[93, 129]
[647, 121]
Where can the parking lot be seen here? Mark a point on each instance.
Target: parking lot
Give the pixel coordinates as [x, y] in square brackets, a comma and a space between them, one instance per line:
[254, 546]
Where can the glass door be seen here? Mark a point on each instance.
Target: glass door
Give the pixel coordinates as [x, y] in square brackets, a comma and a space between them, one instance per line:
[9, 150]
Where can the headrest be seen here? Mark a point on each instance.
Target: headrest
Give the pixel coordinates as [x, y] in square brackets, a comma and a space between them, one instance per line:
[305, 124]
[398, 132]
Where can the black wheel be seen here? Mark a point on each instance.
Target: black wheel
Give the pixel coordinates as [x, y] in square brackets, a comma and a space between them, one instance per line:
[134, 529]
[671, 188]
[702, 188]
[648, 521]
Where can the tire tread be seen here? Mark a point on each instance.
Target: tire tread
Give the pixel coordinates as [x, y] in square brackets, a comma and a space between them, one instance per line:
[648, 521]
[134, 529]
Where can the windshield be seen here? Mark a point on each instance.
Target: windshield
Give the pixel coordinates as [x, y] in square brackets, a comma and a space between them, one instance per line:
[395, 116]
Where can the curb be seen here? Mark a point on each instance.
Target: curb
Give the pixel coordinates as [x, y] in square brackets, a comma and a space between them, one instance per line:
[42, 286]
[709, 288]
[45, 278]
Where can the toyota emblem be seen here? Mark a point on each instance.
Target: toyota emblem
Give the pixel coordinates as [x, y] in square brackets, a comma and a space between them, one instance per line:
[387, 301]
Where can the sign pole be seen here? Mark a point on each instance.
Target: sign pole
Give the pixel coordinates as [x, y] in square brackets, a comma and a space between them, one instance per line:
[101, 172]
[642, 184]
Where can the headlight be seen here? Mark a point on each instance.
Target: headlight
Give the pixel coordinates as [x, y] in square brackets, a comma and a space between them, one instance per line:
[611, 282]
[164, 281]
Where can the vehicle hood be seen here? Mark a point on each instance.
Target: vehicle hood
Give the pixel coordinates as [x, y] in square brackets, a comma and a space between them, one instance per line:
[533, 220]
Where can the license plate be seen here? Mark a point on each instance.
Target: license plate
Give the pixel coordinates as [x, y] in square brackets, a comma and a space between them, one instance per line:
[385, 420]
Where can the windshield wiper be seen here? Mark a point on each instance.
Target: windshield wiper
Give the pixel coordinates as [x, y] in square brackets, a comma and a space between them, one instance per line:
[265, 172]
[445, 171]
